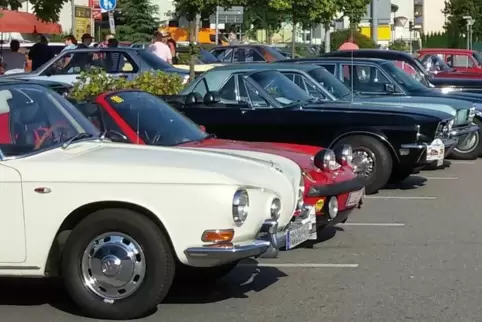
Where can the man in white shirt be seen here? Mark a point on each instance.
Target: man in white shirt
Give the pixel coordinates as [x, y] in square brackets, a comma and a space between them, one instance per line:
[13, 61]
[160, 48]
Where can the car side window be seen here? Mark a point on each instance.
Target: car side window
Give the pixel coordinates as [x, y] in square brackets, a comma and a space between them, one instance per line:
[330, 68]
[228, 91]
[253, 56]
[239, 55]
[364, 78]
[224, 55]
[311, 88]
[253, 97]
[462, 61]
[201, 87]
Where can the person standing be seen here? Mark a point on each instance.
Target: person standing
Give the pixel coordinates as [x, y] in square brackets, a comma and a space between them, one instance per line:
[40, 53]
[86, 41]
[70, 42]
[349, 44]
[105, 43]
[171, 43]
[13, 61]
[233, 39]
[160, 48]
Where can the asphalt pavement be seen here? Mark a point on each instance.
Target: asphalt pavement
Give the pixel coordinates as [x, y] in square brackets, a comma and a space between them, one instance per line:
[412, 253]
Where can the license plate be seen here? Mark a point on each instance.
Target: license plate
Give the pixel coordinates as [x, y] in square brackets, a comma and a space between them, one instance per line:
[298, 235]
[354, 198]
[436, 151]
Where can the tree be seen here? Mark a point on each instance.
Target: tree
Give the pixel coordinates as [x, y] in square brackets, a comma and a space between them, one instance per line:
[261, 16]
[137, 20]
[189, 9]
[305, 13]
[355, 10]
[456, 24]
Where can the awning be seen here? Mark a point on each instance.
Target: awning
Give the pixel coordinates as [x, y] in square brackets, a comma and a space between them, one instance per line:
[26, 23]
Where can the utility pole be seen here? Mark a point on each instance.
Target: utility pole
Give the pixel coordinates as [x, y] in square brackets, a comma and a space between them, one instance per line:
[217, 25]
[374, 27]
[470, 22]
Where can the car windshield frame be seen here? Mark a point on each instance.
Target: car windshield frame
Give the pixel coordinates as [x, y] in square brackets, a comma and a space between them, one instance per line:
[477, 57]
[290, 94]
[402, 78]
[65, 114]
[207, 58]
[138, 100]
[327, 80]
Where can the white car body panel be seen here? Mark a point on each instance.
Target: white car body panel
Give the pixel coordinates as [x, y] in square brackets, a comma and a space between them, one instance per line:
[189, 191]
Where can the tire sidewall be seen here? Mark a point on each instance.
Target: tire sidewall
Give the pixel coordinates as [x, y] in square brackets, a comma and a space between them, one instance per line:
[383, 159]
[476, 152]
[157, 256]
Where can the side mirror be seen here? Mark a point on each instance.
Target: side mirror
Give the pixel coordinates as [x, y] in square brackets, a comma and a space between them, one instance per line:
[190, 99]
[115, 136]
[203, 128]
[390, 88]
[211, 98]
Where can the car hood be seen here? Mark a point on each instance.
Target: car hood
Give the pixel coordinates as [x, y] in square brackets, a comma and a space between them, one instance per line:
[198, 68]
[107, 162]
[382, 108]
[455, 107]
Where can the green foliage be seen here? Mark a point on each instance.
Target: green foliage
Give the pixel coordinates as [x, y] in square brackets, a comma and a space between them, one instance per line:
[137, 21]
[399, 45]
[354, 9]
[340, 36]
[263, 17]
[435, 40]
[46, 10]
[456, 25]
[96, 81]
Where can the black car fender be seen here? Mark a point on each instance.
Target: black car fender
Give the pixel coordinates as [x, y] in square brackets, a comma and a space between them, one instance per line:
[373, 134]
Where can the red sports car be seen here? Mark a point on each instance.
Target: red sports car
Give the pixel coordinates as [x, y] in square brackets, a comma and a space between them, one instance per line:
[138, 117]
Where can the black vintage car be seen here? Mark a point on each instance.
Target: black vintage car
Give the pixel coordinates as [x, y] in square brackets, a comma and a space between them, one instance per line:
[389, 143]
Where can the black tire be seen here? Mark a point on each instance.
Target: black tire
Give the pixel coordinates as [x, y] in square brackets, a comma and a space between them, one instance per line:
[202, 275]
[158, 255]
[383, 162]
[472, 153]
[398, 175]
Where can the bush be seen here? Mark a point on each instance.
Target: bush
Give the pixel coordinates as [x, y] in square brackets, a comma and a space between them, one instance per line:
[340, 36]
[96, 81]
[399, 45]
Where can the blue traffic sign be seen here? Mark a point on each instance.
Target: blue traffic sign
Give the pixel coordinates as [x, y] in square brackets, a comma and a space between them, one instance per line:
[108, 5]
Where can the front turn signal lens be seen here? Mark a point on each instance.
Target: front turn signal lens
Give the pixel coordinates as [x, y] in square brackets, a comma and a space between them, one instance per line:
[218, 236]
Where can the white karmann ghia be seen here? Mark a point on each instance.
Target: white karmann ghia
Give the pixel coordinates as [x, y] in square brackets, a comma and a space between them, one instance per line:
[118, 221]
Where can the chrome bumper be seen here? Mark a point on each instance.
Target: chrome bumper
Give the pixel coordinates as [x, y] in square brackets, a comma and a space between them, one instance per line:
[464, 130]
[240, 250]
[448, 142]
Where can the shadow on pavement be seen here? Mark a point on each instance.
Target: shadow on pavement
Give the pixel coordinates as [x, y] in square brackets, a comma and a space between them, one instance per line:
[412, 182]
[237, 284]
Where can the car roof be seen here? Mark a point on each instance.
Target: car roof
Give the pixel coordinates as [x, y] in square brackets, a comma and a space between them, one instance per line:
[242, 45]
[239, 67]
[378, 53]
[95, 49]
[454, 50]
[323, 59]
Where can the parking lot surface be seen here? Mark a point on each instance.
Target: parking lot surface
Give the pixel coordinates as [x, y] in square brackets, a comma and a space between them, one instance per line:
[412, 253]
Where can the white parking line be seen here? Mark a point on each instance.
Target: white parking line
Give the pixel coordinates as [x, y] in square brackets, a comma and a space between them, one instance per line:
[462, 162]
[441, 178]
[400, 197]
[372, 224]
[300, 265]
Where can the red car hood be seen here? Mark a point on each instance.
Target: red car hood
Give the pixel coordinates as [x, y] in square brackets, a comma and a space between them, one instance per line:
[298, 153]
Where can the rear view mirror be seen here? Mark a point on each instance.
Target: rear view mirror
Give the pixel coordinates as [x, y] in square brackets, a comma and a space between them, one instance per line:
[212, 97]
[390, 88]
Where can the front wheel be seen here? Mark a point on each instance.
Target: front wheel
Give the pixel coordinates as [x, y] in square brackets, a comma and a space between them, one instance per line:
[117, 264]
[371, 159]
[470, 147]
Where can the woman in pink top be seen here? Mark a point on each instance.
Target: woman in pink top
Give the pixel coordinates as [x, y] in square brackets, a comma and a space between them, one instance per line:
[159, 47]
[349, 44]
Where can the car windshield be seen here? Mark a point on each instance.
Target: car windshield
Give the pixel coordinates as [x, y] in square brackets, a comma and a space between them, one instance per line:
[155, 121]
[330, 82]
[207, 58]
[153, 61]
[404, 79]
[34, 118]
[434, 63]
[477, 57]
[280, 87]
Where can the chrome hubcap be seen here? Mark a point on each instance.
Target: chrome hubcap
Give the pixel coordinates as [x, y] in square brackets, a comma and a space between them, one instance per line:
[113, 266]
[363, 162]
[469, 144]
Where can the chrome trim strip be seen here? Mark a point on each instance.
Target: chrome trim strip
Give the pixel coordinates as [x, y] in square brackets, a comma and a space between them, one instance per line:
[464, 130]
[12, 267]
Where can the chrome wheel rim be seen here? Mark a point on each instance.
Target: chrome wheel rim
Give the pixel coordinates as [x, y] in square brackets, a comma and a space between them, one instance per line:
[363, 162]
[469, 144]
[113, 266]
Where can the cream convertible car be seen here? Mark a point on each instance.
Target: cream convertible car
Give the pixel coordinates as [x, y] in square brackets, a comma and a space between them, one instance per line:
[118, 221]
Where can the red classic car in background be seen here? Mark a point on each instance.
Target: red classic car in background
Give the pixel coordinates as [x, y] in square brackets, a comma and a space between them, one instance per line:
[459, 60]
[138, 117]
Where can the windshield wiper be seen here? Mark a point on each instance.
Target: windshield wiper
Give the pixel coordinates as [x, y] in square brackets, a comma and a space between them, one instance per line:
[78, 136]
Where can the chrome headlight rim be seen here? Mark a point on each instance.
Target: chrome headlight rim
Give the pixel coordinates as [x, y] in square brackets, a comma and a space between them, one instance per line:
[325, 160]
[240, 206]
[344, 154]
[333, 207]
[275, 208]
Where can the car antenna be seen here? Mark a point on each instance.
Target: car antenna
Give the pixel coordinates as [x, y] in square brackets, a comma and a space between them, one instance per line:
[351, 78]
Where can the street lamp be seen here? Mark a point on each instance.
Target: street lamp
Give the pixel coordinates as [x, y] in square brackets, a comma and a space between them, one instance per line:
[470, 22]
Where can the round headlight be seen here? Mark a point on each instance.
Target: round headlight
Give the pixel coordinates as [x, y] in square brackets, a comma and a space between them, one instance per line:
[275, 208]
[240, 206]
[344, 154]
[326, 160]
[333, 207]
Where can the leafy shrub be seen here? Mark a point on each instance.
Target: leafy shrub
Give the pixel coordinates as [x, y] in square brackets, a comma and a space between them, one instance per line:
[399, 45]
[96, 81]
[340, 36]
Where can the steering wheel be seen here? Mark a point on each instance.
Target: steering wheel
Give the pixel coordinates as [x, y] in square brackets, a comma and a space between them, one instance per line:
[48, 133]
